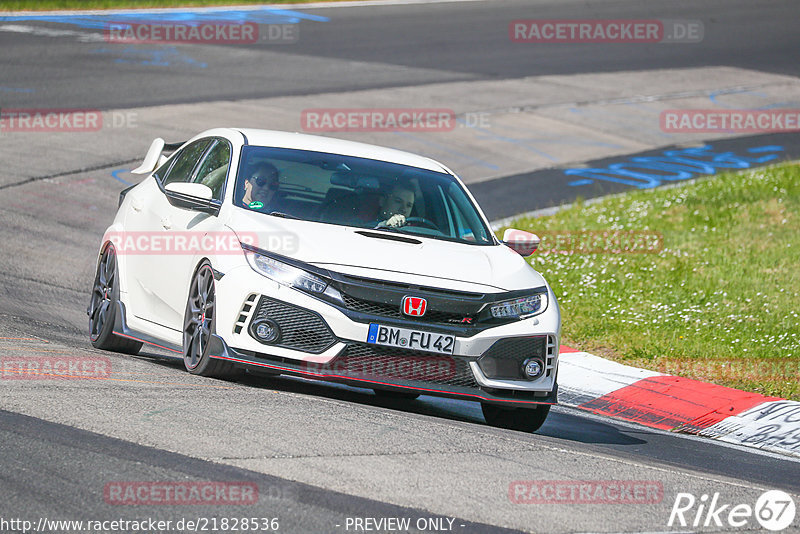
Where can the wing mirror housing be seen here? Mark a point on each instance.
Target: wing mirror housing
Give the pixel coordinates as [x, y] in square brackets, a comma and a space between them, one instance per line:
[192, 196]
[522, 242]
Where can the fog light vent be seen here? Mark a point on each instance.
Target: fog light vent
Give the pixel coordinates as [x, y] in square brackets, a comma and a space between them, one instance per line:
[533, 368]
[266, 330]
[507, 359]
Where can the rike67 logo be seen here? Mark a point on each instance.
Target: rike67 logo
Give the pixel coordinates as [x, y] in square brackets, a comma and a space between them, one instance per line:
[774, 510]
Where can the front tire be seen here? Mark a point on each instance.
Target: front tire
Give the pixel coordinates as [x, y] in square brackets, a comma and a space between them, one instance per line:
[522, 419]
[199, 323]
[102, 309]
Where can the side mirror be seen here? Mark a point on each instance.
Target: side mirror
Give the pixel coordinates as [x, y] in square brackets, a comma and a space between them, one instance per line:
[191, 196]
[199, 191]
[523, 243]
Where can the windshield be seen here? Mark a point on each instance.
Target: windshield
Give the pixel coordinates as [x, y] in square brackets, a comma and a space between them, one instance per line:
[350, 191]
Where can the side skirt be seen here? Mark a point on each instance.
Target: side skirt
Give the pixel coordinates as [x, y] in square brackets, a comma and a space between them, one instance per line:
[121, 329]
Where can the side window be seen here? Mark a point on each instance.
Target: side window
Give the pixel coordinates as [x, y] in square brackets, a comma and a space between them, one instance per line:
[214, 167]
[467, 223]
[185, 162]
[162, 171]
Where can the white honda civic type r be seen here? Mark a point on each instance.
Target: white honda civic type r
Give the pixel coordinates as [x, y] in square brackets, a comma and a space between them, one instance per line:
[322, 258]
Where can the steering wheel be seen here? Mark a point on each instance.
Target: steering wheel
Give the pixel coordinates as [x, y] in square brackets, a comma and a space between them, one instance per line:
[422, 221]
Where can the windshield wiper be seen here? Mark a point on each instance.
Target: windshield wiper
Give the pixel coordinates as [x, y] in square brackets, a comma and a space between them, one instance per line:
[282, 215]
[390, 237]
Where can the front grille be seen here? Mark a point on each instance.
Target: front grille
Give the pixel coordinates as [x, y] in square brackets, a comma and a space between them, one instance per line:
[382, 284]
[362, 360]
[504, 358]
[301, 329]
[393, 311]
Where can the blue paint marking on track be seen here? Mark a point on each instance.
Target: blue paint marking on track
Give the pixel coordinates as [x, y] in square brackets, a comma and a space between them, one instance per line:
[262, 15]
[167, 56]
[568, 140]
[560, 140]
[714, 98]
[16, 90]
[610, 116]
[115, 175]
[449, 150]
[765, 148]
[523, 143]
[673, 166]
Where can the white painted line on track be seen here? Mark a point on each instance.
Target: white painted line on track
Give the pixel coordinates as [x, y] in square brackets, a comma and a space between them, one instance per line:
[50, 32]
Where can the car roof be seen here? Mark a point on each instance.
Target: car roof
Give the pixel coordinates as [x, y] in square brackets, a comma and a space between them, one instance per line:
[316, 143]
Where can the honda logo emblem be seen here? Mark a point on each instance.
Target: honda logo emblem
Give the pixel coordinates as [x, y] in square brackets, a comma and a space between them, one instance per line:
[415, 306]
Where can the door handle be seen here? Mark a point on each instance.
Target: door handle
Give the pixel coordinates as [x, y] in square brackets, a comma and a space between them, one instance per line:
[166, 223]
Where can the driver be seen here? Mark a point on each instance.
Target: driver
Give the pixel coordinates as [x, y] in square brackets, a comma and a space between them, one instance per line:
[395, 206]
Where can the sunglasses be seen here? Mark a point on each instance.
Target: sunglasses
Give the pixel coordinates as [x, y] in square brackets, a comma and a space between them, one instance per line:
[270, 181]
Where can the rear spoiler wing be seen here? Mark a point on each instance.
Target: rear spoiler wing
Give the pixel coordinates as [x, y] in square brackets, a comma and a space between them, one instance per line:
[156, 155]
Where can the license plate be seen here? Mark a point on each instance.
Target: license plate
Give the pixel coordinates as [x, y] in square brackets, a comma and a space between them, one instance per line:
[410, 339]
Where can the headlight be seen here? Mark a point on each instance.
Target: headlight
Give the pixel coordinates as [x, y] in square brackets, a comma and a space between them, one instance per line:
[284, 273]
[531, 305]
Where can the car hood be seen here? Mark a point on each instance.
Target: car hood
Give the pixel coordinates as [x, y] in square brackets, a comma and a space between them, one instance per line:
[374, 254]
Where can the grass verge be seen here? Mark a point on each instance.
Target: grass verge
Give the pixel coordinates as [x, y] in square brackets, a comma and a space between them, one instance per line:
[52, 5]
[719, 302]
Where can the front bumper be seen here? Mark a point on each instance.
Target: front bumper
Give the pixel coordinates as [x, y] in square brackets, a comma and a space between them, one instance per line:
[220, 349]
[326, 343]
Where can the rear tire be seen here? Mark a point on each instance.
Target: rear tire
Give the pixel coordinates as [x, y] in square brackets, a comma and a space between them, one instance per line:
[199, 323]
[102, 309]
[522, 419]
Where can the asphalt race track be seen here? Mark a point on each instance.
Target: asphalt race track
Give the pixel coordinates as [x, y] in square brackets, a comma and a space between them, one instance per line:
[535, 123]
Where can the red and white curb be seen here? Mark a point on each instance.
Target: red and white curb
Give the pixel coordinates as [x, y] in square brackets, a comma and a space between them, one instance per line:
[678, 404]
